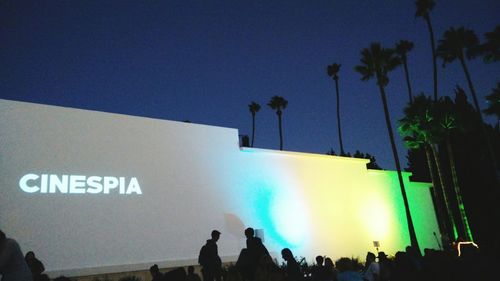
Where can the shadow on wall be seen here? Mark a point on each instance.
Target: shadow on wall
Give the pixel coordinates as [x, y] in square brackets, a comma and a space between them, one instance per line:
[234, 225]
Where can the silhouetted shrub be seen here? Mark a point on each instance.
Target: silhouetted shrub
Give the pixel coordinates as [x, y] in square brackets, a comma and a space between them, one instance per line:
[105, 278]
[130, 278]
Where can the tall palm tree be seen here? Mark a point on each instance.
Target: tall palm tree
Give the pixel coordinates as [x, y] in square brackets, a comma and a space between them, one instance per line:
[446, 117]
[377, 62]
[459, 44]
[254, 108]
[332, 71]
[417, 129]
[402, 49]
[423, 9]
[279, 104]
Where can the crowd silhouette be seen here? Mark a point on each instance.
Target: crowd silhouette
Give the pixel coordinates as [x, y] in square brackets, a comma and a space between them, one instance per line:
[256, 264]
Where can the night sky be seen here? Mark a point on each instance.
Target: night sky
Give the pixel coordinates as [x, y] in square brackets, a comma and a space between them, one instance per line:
[205, 61]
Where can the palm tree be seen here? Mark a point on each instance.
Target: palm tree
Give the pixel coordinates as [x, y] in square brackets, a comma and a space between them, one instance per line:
[446, 117]
[332, 71]
[418, 131]
[491, 48]
[278, 103]
[402, 49]
[494, 103]
[458, 44]
[376, 62]
[423, 9]
[254, 108]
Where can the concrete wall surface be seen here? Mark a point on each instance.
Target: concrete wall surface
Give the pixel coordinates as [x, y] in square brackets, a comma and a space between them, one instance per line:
[93, 193]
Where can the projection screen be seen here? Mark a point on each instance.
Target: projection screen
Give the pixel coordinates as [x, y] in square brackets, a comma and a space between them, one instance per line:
[92, 192]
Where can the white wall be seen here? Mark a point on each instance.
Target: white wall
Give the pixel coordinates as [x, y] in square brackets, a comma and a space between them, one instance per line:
[194, 178]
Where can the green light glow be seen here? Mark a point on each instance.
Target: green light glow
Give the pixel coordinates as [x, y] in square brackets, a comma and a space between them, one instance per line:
[331, 205]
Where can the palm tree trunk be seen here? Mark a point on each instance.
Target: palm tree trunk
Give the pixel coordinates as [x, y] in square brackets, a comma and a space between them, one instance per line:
[439, 210]
[411, 228]
[434, 58]
[471, 87]
[491, 152]
[338, 117]
[407, 75]
[451, 218]
[463, 215]
[253, 129]
[280, 128]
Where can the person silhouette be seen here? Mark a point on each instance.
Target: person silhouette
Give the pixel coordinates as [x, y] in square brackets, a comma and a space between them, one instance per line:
[156, 274]
[209, 258]
[330, 270]
[255, 250]
[35, 265]
[13, 267]
[191, 275]
[293, 271]
[385, 265]
[319, 271]
[372, 268]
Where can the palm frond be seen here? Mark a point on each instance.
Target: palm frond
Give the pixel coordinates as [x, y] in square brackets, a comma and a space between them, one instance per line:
[254, 107]
[333, 70]
[457, 44]
[424, 7]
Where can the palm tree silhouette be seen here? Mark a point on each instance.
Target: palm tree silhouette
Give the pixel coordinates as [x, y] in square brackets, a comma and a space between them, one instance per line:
[491, 48]
[458, 44]
[494, 103]
[418, 131]
[376, 62]
[332, 71]
[254, 108]
[446, 118]
[402, 49]
[279, 104]
[423, 9]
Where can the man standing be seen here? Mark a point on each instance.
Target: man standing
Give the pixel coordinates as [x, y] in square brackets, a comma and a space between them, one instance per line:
[209, 259]
[13, 267]
[255, 251]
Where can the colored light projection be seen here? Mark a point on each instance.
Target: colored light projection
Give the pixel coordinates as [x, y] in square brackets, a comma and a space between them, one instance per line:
[319, 204]
[193, 178]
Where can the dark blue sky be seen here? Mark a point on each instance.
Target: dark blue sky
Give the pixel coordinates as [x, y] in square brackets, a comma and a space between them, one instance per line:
[205, 61]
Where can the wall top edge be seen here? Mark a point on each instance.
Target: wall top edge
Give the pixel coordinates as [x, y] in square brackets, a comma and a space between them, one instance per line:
[114, 114]
[302, 154]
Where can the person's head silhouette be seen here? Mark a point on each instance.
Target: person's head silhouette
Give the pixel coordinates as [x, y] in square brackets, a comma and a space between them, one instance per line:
[319, 260]
[249, 232]
[286, 254]
[215, 235]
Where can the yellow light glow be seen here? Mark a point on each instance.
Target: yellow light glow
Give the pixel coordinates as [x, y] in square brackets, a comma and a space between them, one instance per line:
[334, 205]
[375, 217]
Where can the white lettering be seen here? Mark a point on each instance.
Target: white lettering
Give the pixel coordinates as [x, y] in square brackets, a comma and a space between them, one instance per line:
[78, 184]
[23, 183]
[122, 185]
[109, 183]
[43, 184]
[133, 186]
[94, 184]
[58, 184]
